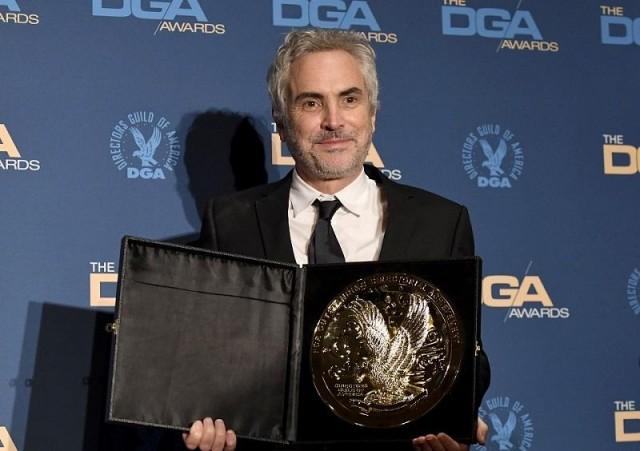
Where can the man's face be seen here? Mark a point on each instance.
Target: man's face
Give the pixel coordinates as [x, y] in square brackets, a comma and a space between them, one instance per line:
[330, 122]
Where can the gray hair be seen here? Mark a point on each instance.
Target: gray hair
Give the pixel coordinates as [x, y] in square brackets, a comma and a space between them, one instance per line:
[302, 42]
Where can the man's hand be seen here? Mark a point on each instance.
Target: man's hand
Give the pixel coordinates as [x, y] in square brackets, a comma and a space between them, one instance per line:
[442, 442]
[207, 435]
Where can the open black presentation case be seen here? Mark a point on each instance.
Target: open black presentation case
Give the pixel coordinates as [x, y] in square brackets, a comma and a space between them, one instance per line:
[201, 333]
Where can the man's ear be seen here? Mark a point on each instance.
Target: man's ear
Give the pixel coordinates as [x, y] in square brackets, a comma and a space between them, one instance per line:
[280, 129]
[373, 122]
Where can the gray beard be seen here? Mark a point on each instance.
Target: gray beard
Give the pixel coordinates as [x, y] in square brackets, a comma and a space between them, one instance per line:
[323, 171]
[320, 170]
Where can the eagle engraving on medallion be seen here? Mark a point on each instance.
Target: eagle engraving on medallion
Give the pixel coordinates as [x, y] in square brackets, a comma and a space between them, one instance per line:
[393, 350]
[386, 350]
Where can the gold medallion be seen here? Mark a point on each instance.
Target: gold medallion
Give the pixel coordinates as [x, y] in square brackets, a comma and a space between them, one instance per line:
[386, 350]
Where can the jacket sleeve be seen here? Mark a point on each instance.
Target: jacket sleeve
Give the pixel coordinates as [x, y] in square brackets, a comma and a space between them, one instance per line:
[463, 246]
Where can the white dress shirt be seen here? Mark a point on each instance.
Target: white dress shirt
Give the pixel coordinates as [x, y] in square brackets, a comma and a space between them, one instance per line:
[358, 224]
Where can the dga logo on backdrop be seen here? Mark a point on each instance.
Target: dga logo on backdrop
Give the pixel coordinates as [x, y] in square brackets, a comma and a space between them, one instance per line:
[619, 158]
[616, 29]
[516, 30]
[492, 156]
[633, 292]
[102, 284]
[510, 425]
[15, 162]
[182, 16]
[144, 145]
[345, 15]
[279, 158]
[627, 421]
[10, 12]
[6, 443]
[526, 299]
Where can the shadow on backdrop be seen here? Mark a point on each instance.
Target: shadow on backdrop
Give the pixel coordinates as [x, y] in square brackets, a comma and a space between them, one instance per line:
[24, 379]
[69, 388]
[224, 152]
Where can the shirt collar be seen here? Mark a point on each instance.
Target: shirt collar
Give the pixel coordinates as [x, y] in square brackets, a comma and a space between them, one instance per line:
[353, 196]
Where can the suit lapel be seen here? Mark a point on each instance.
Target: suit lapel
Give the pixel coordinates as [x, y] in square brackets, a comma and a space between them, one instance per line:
[401, 224]
[273, 220]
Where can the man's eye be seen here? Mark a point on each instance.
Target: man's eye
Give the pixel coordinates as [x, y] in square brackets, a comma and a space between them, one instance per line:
[351, 100]
[310, 105]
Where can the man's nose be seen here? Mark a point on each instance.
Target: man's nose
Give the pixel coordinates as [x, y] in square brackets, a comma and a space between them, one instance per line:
[332, 116]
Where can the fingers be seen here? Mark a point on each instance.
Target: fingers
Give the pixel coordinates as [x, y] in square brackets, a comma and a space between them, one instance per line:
[482, 431]
[192, 439]
[436, 443]
[440, 442]
[207, 435]
[219, 436]
[206, 443]
[427, 443]
[230, 441]
[449, 444]
[420, 444]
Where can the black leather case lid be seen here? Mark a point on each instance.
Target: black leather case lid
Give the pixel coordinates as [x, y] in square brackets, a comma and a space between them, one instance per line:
[201, 334]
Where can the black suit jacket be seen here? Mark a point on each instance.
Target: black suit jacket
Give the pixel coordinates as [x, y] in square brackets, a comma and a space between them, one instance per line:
[419, 226]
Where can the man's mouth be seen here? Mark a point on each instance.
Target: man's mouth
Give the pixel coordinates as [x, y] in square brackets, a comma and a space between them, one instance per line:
[335, 141]
[332, 139]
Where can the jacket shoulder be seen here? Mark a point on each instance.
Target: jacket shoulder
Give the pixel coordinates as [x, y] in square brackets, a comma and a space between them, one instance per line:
[422, 196]
[244, 199]
[419, 196]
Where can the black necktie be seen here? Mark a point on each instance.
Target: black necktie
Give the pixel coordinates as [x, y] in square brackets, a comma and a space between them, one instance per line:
[324, 246]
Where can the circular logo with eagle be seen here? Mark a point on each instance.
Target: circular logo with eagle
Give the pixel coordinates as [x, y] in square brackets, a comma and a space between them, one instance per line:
[510, 425]
[492, 156]
[633, 291]
[144, 146]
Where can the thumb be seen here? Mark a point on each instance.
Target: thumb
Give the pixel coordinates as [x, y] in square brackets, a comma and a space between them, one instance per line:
[481, 431]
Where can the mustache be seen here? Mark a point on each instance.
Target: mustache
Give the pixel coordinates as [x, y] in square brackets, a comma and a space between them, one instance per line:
[325, 136]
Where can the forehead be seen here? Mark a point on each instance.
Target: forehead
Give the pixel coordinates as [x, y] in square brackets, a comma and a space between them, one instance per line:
[325, 72]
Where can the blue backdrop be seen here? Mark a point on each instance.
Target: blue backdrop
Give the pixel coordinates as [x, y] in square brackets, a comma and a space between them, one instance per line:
[525, 111]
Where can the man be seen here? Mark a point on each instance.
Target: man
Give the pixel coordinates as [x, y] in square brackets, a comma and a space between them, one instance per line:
[324, 93]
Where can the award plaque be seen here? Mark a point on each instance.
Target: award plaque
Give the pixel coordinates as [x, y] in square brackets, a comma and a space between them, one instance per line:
[338, 353]
[386, 350]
